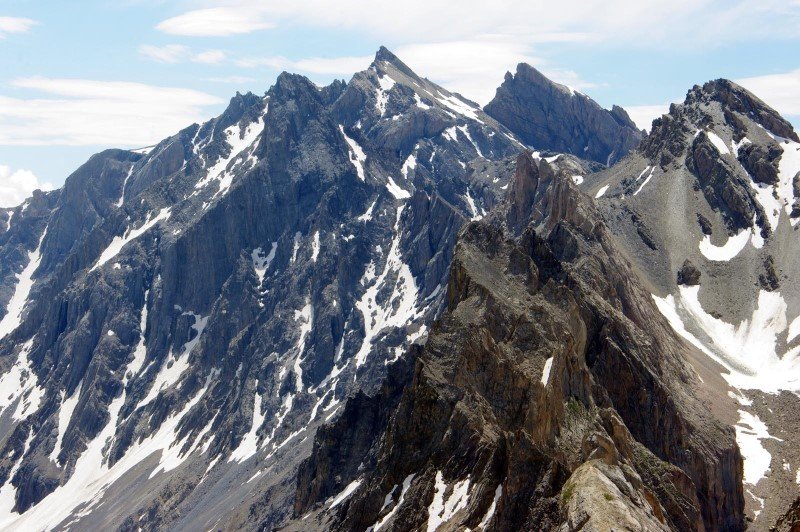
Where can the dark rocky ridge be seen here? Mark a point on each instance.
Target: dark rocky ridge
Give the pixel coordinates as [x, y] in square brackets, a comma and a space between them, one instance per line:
[526, 383]
[549, 116]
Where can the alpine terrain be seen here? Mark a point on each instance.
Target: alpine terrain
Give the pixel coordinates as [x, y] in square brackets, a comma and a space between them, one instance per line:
[377, 305]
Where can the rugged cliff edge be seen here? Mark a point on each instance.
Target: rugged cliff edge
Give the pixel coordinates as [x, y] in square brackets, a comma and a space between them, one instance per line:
[551, 394]
[550, 116]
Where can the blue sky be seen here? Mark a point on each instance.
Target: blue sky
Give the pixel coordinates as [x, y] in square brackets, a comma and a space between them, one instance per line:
[76, 78]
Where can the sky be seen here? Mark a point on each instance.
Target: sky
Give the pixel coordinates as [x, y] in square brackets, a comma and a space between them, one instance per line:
[77, 78]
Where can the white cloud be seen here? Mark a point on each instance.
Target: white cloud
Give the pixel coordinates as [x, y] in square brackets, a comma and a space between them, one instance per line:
[781, 91]
[312, 65]
[643, 115]
[171, 53]
[177, 53]
[18, 185]
[235, 80]
[210, 57]
[79, 112]
[15, 25]
[215, 22]
[644, 23]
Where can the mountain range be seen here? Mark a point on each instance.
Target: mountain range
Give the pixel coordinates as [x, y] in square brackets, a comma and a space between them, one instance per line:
[377, 305]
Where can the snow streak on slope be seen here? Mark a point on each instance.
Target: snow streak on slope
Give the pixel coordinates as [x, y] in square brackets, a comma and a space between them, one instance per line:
[389, 499]
[130, 235]
[357, 155]
[124, 184]
[173, 367]
[548, 364]
[305, 318]
[346, 493]
[440, 510]
[399, 309]
[92, 475]
[249, 444]
[238, 142]
[140, 351]
[21, 386]
[646, 180]
[385, 84]
[64, 416]
[16, 305]
[261, 262]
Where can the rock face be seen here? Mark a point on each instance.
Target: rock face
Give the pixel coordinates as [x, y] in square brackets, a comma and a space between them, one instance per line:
[712, 189]
[549, 116]
[176, 324]
[550, 395]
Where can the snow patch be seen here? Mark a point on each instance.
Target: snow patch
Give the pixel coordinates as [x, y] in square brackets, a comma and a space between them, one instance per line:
[386, 518]
[130, 235]
[173, 367]
[399, 310]
[475, 214]
[20, 384]
[357, 155]
[385, 84]
[305, 317]
[124, 184]
[548, 365]
[315, 247]
[16, 305]
[718, 143]
[601, 191]
[647, 179]
[64, 416]
[261, 262]
[747, 350]
[420, 103]
[249, 444]
[368, 214]
[728, 250]
[498, 492]
[794, 330]
[750, 430]
[440, 510]
[409, 164]
[465, 131]
[395, 190]
[239, 141]
[345, 493]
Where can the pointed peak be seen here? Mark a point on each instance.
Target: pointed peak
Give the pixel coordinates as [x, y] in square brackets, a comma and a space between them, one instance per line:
[385, 58]
[384, 54]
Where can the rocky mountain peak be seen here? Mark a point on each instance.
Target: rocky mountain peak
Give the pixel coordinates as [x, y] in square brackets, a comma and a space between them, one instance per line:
[735, 98]
[550, 116]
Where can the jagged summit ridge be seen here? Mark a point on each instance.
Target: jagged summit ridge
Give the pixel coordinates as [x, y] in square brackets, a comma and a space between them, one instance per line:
[552, 116]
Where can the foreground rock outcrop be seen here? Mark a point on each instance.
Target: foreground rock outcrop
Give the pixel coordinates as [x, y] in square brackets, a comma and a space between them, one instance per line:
[550, 395]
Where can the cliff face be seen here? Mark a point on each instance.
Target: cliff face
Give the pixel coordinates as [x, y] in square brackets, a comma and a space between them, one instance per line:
[551, 394]
[549, 116]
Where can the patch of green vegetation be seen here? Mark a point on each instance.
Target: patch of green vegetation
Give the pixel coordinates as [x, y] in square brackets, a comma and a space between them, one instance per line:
[608, 496]
[566, 492]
